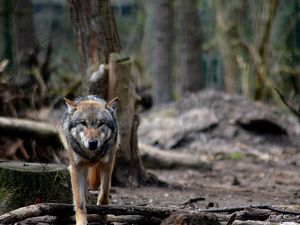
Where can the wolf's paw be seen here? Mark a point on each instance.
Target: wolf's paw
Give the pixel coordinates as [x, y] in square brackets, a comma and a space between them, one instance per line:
[81, 223]
[81, 219]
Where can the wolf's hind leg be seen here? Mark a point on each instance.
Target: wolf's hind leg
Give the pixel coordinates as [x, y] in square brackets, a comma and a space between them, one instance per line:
[88, 196]
[105, 176]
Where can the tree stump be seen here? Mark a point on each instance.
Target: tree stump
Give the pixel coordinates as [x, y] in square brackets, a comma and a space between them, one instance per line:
[129, 170]
[29, 183]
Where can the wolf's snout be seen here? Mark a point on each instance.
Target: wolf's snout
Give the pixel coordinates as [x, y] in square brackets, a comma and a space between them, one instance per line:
[93, 145]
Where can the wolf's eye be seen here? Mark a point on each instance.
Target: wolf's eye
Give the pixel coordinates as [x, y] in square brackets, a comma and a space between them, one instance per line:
[100, 124]
[83, 123]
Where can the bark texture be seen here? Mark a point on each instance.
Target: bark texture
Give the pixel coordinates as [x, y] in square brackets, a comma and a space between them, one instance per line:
[162, 52]
[189, 46]
[7, 30]
[25, 38]
[96, 34]
[129, 170]
[226, 33]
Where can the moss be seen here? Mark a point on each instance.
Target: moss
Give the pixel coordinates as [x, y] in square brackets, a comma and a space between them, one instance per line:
[236, 155]
[19, 188]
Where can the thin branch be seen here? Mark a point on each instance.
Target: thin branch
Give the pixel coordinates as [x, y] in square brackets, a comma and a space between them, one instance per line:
[291, 108]
[231, 219]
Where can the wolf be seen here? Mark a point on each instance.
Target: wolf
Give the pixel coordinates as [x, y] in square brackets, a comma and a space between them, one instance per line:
[91, 134]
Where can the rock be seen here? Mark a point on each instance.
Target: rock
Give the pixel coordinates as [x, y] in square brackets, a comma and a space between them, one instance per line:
[212, 121]
[172, 131]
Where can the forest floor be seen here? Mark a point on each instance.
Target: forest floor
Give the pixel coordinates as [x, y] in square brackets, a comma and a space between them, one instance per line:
[254, 150]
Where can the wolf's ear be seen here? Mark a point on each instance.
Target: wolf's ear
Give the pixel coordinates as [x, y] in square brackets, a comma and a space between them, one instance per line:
[113, 104]
[71, 105]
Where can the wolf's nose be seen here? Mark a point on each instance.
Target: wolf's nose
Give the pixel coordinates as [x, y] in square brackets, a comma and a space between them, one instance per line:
[93, 145]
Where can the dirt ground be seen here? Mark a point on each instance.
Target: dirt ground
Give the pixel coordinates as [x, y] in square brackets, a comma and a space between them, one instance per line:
[230, 183]
[249, 166]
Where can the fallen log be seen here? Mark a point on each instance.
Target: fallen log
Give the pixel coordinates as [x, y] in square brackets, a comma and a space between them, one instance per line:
[166, 159]
[191, 219]
[134, 219]
[65, 210]
[62, 212]
[249, 222]
[127, 219]
[28, 129]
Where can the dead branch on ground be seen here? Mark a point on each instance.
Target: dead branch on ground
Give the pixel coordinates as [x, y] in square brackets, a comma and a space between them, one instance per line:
[56, 211]
[30, 129]
[166, 159]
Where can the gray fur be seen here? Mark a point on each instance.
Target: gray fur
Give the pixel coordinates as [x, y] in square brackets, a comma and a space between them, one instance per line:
[72, 120]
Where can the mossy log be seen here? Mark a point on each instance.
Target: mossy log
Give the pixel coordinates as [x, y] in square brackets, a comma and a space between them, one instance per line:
[24, 184]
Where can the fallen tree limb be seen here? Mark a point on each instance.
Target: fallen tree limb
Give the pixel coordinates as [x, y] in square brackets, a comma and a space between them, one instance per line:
[249, 222]
[166, 159]
[240, 208]
[23, 128]
[134, 219]
[191, 219]
[128, 219]
[66, 210]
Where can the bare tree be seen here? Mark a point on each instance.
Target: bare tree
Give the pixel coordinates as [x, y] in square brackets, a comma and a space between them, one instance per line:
[189, 46]
[226, 34]
[162, 53]
[244, 33]
[7, 12]
[25, 37]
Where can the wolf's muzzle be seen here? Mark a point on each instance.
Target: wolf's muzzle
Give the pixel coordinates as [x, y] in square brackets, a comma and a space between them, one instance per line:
[93, 145]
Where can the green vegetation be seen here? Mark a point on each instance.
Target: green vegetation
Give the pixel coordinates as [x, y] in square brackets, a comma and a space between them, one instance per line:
[21, 188]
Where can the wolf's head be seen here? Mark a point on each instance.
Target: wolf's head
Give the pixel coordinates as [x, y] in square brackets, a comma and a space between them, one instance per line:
[91, 123]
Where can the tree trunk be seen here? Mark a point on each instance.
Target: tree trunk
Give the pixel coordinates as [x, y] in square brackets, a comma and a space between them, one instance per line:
[226, 34]
[96, 33]
[97, 37]
[189, 46]
[8, 31]
[162, 52]
[261, 88]
[25, 38]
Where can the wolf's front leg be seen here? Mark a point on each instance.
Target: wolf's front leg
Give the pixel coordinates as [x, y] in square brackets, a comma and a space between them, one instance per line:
[78, 181]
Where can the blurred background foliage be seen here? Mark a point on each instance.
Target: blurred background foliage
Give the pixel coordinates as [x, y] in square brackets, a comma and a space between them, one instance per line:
[241, 47]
